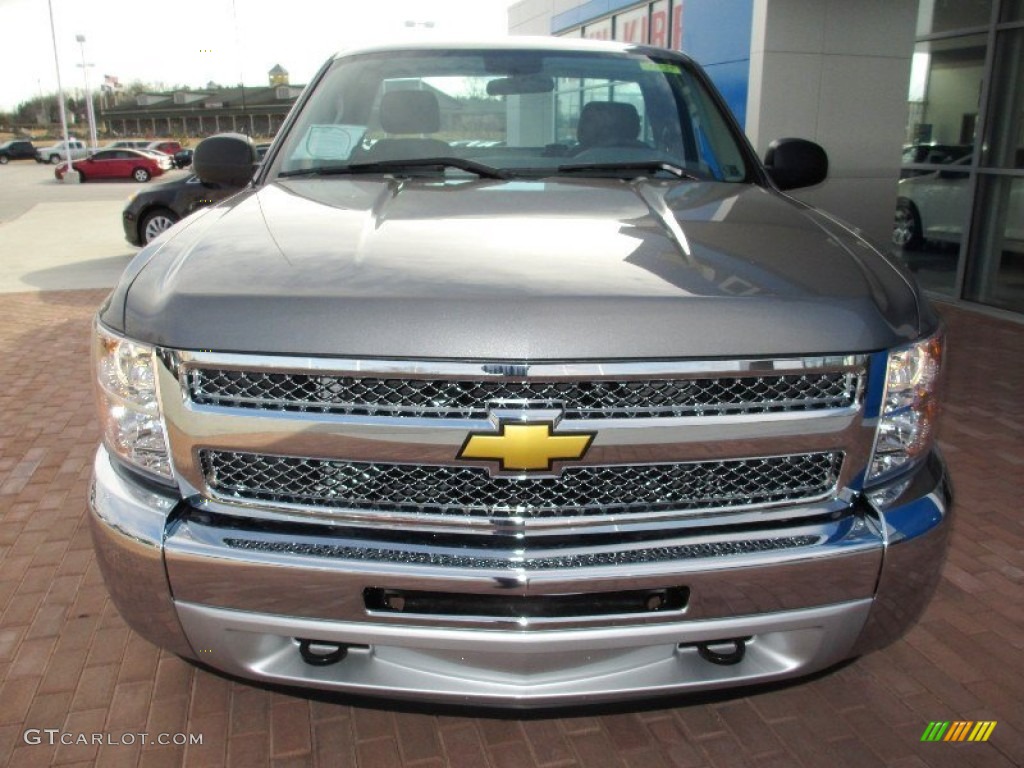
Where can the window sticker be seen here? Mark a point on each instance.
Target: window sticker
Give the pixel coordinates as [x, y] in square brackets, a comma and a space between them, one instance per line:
[330, 142]
[655, 66]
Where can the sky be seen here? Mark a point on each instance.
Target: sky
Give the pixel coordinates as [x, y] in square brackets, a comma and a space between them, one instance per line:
[192, 42]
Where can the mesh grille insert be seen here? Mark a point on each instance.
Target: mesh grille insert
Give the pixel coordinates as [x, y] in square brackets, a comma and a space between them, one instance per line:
[651, 554]
[579, 399]
[471, 491]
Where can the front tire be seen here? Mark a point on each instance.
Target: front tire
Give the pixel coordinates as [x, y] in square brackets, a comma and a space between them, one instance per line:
[156, 222]
[81, 178]
[54, 159]
[141, 175]
[4, 159]
[906, 227]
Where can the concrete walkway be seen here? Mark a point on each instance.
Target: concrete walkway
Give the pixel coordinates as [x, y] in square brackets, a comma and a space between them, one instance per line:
[64, 245]
[63, 236]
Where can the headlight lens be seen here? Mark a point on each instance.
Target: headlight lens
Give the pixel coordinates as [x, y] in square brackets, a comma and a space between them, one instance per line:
[910, 409]
[133, 426]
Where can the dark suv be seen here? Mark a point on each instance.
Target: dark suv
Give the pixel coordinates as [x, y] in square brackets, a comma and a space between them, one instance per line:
[17, 149]
[147, 214]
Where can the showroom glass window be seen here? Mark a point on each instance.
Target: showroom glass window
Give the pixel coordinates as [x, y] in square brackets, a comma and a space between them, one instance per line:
[936, 16]
[936, 177]
[959, 218]
[996, 276]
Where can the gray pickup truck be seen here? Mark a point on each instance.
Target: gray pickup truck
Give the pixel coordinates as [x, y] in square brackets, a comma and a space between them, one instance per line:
[58, 153]
[512, 377]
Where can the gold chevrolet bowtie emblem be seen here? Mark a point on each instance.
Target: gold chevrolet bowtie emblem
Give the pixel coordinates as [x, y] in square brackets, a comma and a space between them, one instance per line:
[526, 446]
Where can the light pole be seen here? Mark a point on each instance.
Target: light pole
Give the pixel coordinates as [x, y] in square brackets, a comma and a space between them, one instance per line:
[71, 172]
[88, 94]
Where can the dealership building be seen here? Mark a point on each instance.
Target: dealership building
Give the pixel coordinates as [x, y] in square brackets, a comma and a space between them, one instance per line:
[257, 111]
[919, 104]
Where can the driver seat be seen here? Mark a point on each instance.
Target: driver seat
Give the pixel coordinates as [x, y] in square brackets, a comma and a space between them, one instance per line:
[608, 124]
[408, 112]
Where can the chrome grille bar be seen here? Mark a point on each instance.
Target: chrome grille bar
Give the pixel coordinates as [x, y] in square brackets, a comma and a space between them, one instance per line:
[471, 491]
[640, 556]
[469, 398]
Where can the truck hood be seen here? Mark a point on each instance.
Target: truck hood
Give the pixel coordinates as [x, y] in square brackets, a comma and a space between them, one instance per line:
[524, 270]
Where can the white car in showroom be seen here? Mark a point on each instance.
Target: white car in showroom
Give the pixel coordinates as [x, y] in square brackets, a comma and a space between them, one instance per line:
[935, 207]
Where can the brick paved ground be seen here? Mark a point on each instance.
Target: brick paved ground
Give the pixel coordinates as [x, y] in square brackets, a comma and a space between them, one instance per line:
[67, 661]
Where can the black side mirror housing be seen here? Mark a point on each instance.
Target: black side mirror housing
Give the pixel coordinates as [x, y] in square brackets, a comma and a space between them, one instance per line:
[796, 163]
[227, 159]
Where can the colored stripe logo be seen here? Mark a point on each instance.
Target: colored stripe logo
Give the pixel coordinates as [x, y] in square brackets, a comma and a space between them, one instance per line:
[958, 730]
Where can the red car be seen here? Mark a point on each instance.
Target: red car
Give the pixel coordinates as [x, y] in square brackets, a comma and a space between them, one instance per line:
[117, 164]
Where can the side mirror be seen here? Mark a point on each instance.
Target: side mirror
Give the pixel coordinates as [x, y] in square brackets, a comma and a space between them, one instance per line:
[228, 159]
[796, 163]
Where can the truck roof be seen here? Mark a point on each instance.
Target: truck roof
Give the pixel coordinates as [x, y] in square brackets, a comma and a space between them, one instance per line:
[518, 43]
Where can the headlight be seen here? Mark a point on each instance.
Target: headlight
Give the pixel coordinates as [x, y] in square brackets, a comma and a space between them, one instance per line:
[910, 408]
[133, 426]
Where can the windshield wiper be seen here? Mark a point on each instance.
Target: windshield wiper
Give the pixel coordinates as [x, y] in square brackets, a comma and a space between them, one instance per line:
[652, 166]
[389, 166]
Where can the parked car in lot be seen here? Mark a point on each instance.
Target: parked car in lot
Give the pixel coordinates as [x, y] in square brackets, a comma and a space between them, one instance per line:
[183, 158]
[166, 161]
[117, 164]
[934, 207]
[166, 146]
[127, 144]
[149, 213]
[56, 153]
[16, 149]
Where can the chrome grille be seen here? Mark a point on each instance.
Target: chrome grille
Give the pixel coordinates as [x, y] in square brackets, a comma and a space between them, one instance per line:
[651, 554]
[471, 491]
[471, 398]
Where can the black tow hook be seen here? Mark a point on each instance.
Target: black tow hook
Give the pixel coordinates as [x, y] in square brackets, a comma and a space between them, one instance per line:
[318, 653]
[723, 652]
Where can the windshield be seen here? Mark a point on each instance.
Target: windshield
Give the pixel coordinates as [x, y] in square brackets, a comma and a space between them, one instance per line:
[520, 113]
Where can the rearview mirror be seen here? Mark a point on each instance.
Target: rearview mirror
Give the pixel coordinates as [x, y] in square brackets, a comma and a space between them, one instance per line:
[796, 163]
[518, 84]
[228, 159]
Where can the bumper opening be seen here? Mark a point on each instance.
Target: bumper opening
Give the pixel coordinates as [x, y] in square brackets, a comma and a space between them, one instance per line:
[587, 604]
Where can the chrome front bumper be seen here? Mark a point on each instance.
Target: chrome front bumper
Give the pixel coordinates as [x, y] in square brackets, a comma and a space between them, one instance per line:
[185, 582]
